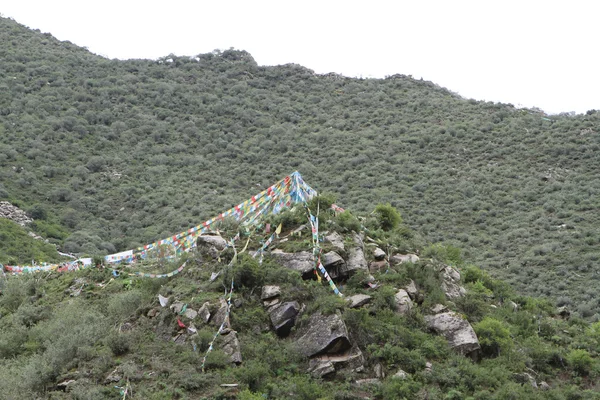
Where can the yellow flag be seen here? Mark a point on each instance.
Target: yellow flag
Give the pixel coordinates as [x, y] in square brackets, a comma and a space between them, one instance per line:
[278, 230]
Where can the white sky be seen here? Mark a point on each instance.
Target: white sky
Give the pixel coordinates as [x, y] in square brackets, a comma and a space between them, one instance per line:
[531, 53]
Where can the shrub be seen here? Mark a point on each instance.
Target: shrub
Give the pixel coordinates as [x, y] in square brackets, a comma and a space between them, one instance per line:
[118, 343]
[388, 217]
[580, 361]
[493, 336]
[348, 222]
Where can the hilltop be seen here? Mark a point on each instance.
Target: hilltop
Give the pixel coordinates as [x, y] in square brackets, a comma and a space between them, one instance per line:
[116, 154]
[232, 326]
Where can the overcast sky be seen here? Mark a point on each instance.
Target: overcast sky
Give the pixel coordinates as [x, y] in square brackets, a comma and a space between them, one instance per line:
[529, 53]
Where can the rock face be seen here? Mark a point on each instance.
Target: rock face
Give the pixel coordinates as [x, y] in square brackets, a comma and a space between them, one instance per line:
[323, 334]
[404, 258]
[231, 345]
[451, 283]
[283, 317]
[403, 302]
[411, 289]
[377, 266]
[457, 331]
[301, 262]
[221, 315]
[356, 257]
[14, 213]
[204, 312]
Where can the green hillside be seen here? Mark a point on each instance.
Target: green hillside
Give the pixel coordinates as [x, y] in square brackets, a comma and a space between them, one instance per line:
[121, 153]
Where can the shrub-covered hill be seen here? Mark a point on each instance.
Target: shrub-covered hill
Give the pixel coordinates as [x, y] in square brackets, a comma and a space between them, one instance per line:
[408, 326]
[125, 152]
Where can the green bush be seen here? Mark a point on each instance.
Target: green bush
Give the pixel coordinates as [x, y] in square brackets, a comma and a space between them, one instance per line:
[580, 361]
[494, 336]
[387, 216]
[118, 343]
[348, 222]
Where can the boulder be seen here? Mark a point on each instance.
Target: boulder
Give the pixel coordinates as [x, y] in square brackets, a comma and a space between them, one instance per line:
[400, 375]
[403, 302]
[323, 334]
[451, 283]
[301, 262]
[271, 302]
[404, 258]
[457, 330]
[439, 308]
[378, 371]
[379, 254]
[336, 240]
[283, 317]
[211, 245]
[358, 300]
[544, 386]
[411, 289]
[332, 260]
[204, 312]
[221, 315]
[368, 382]
[321, 369]
[191, 314]
[231, 345]
[269, 292]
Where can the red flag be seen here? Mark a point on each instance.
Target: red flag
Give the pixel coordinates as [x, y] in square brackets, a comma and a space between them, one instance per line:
[181, 324]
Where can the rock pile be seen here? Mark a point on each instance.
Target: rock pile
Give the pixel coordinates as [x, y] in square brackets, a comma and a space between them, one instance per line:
[14, 213]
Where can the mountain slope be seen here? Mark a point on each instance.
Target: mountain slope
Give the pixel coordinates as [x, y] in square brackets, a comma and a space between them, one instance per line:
[126, 152]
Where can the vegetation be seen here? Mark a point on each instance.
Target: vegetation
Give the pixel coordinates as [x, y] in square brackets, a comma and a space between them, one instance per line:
[107, 155]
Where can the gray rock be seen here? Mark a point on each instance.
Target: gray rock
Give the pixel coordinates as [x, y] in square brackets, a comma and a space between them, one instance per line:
[231, 346]
[221, 315]
[428, 367]
[332, 260]
[301, 262]
[514, 306]
[14, 213]
[177, 307]
[323, 334]
[191, 314]
[411, 289]
[400, 375]
[404, 258]
[358, 300]
[379, 254]
[451, 282]
[271, 302]
[210, 240]
[283, 317]
[356, 256]
[379, 372]
[204, 312]
[336, 240]
[270, 291]
[544, 386]
[524, 377]
[403, 302]
[457, 330]
[439, 308]
[321, 369]
[368, 382]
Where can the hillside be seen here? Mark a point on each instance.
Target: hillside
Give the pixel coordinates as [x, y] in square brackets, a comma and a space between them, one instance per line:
[121, 153]
[229, 326]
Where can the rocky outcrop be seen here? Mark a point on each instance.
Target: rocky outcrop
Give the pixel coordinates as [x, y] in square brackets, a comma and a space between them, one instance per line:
[451, 282]
[14, 213]
[356, 257]
[334, 264]
[358, 300]
[403, 302]
[351, 360]
[457, 330]
[336, 240]
[323, 334]
[411, 289]
[270, 291]
[283, 317]
[404, 258]
[204, 312]
[221, 315]
[377, 266]
[301, 262]
[231, 345]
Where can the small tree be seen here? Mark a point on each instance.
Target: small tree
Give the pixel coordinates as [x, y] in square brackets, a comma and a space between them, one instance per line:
[493, 336]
